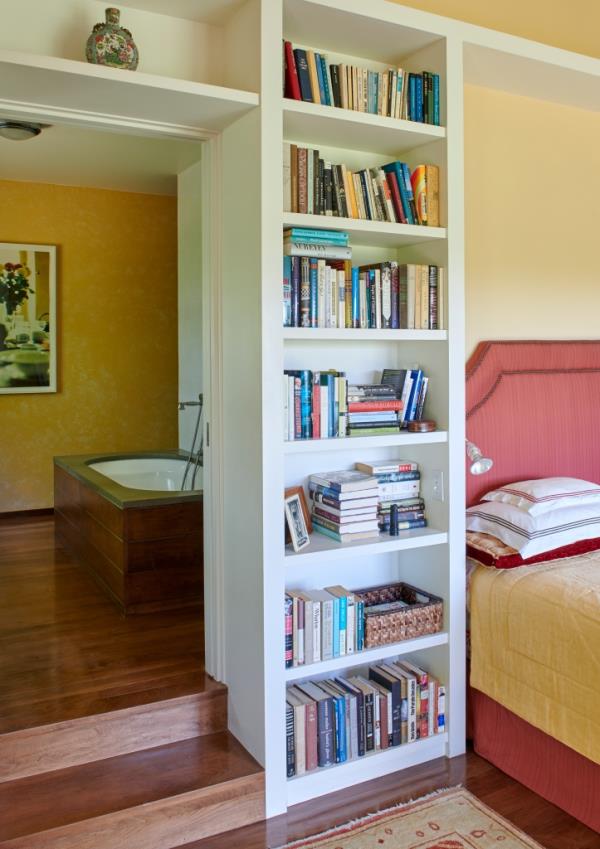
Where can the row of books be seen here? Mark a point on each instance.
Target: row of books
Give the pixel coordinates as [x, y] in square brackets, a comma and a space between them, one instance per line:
[344, 718]
[315, 186]
[393, 93]
[322, 405]
[322, 624]
[331, 293]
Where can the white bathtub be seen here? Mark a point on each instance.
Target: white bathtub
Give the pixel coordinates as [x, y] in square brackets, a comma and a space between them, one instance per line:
[160, 474]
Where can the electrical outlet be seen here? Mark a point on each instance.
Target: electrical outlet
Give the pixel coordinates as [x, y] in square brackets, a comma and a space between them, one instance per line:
[437, 488]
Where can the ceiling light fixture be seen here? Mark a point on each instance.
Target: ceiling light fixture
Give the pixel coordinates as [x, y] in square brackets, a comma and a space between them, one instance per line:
[19, 130]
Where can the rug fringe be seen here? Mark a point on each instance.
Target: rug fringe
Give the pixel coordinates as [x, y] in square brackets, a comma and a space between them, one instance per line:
[351, 823]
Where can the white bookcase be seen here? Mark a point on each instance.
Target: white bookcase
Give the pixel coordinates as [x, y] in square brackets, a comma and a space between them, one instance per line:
[260, 464]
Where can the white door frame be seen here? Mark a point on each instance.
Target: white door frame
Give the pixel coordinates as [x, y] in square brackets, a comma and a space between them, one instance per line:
[211, 328]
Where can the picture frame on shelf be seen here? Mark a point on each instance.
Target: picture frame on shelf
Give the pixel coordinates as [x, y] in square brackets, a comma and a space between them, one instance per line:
[296, 521]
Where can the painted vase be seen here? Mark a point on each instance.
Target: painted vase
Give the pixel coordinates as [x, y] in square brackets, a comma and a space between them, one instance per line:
[111, 44]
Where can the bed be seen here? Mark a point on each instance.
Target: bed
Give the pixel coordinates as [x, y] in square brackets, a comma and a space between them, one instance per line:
[534, 695]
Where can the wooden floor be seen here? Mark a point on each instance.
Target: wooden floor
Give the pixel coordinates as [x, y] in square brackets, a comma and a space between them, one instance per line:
[65, 650]
[547, 824]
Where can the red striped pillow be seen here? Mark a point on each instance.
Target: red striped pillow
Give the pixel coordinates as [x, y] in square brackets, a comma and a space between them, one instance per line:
[491, 551]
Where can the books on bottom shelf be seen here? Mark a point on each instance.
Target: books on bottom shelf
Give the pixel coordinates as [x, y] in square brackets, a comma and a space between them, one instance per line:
[341, 719]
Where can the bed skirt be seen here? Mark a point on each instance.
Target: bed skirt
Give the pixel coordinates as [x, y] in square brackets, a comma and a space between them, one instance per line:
[546, 766]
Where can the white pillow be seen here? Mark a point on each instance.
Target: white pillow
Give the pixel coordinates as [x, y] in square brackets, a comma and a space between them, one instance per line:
[540, 496]
[532, 535]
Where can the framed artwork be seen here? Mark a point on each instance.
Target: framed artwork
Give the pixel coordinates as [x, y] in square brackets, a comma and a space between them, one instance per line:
[296, 522]
[299, 491]
[27, 318]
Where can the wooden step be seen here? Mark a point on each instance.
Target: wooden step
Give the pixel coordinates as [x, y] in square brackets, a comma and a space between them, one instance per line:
[59, 745]
[153, 799]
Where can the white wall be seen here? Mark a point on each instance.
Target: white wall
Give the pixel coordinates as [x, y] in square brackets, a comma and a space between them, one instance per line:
[189, 295]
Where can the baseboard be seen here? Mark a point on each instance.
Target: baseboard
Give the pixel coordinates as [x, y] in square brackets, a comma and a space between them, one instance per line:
[27, 514]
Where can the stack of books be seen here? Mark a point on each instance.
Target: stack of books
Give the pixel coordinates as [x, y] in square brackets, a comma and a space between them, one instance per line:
[325, 292]
[393, 93]
[321, 624]
[316, 264]
[344, 505]
[373, 410]
[341, 719]
[315, 186]
[399, 484]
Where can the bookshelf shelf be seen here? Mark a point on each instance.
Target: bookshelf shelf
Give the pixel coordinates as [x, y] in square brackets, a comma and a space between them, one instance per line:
[359, 443]
[139, 97]
[323, 549]
[335, 127]
[308, 334]
[349, 661]
[338, 776]
[376, 233]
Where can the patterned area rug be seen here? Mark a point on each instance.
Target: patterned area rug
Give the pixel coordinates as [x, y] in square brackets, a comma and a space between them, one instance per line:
[449, 819]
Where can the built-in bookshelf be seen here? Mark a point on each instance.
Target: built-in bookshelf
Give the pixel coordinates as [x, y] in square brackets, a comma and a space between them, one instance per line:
[260, 465]
[422, 556]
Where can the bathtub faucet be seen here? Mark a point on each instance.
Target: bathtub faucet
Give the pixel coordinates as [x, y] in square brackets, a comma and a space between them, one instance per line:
[183, 404]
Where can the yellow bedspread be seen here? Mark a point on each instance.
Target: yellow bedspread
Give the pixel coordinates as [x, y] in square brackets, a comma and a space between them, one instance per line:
[535, 645]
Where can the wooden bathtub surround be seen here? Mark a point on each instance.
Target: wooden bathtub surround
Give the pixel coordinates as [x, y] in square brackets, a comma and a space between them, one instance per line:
[145, 558]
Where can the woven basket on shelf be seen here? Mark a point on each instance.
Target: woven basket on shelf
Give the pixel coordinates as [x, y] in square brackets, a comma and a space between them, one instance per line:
[424, 614]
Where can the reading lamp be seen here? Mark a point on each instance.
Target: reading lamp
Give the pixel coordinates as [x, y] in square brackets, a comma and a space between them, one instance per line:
[479, 464]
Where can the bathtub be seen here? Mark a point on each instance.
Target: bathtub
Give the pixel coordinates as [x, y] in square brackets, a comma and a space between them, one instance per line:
[127, 522]
[157, 474]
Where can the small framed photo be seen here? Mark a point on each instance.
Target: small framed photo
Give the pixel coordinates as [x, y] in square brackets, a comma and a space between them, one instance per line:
[296, 522]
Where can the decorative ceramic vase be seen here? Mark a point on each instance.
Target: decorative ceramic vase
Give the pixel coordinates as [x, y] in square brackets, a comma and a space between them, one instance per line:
[111, 44]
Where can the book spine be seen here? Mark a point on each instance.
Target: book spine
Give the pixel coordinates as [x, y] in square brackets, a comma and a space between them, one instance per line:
[311, 735]
[336, 619]
[314, 292]
[302, 180]
[320, 79]
[441, 710]
[369, 723]
[327, 630]
[436, 99]
[303, 75]
[289, 647]
[290, 745]
[312, 74]
[326, 731]
[316, 632]
[433, 297]
[287, 292]
[316, 407]
[292, 83]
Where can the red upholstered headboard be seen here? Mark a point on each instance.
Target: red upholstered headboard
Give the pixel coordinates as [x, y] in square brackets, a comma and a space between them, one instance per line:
[534, 408]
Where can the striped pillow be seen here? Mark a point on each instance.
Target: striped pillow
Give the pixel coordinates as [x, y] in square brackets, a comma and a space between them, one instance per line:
[540, 496]
[531, 535]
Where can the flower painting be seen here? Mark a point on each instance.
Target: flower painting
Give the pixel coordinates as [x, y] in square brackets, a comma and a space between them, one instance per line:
[27, 318]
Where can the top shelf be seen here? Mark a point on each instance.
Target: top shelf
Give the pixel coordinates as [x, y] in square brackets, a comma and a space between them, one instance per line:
[345, 128]
[65, 84]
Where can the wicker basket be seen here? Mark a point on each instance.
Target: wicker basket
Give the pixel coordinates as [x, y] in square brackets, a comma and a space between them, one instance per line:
[424, 615]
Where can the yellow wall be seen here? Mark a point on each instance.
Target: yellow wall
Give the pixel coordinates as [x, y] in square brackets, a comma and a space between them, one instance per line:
[532, 189]
[532, 184]
[117, 332]
[572, 26]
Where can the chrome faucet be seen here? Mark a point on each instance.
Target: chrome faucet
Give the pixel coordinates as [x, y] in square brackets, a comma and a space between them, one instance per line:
[183, 404]
[196, 454]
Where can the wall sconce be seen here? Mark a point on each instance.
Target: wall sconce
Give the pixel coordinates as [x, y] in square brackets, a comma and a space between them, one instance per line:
[479, 464]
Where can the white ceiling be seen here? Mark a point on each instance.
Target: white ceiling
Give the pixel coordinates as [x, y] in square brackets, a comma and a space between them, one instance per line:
[80, 157]
[204, 11]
